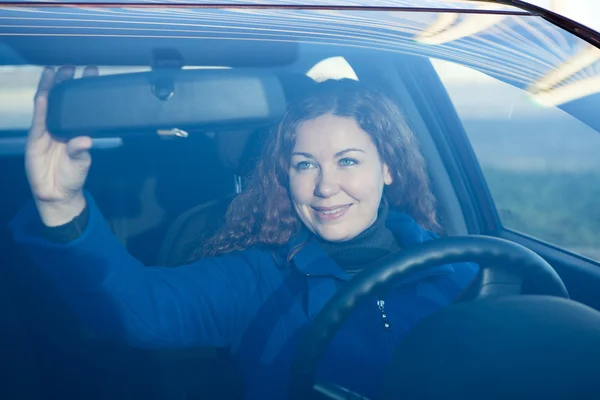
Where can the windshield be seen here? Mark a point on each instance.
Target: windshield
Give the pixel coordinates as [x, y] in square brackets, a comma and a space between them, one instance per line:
[164, 167]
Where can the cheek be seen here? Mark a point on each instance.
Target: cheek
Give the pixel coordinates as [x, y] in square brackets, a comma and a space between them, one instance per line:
[364, 186]
[301, 187]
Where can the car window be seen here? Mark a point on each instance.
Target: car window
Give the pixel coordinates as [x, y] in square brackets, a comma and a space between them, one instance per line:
[540, 163]
[332, 68]
[171, 150]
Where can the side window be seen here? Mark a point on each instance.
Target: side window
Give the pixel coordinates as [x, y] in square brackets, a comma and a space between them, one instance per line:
[540, 163]
[332, 68]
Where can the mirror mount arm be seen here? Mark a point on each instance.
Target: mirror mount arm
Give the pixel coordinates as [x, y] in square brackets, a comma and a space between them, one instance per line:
[166, 64]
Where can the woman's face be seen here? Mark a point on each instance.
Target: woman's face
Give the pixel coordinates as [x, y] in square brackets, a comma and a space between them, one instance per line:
[336, 177]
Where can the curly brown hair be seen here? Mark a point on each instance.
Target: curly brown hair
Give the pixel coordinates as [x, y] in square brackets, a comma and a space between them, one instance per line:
[263, 215]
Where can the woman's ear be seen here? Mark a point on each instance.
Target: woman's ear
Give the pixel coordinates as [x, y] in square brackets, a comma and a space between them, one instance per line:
[387, 176]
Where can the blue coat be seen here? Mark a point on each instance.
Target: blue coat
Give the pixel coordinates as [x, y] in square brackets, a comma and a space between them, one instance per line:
[244, 301]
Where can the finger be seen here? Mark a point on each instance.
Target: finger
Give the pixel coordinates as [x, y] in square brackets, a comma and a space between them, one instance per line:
[40, 103]
[64, 73]
[38, 122]
[46, 81]
[90, 70]
[78, 148]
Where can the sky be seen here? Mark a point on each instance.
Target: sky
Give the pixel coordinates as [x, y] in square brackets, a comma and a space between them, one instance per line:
[586, 12]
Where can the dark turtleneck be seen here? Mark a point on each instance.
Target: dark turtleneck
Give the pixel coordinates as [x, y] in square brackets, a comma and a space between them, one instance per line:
[372, 244]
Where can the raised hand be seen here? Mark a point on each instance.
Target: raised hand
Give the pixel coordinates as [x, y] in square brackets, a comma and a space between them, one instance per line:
[56, 169]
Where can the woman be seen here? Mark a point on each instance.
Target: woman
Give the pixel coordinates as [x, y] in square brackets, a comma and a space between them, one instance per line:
[341, 184]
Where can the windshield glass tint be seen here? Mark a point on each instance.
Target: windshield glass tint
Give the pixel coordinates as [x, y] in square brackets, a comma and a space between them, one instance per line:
[187, 187]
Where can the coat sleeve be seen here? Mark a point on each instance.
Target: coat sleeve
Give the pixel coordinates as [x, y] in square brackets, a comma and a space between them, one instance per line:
[199, 304]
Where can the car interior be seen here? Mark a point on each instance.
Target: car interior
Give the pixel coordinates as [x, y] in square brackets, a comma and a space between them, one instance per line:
[162, 194]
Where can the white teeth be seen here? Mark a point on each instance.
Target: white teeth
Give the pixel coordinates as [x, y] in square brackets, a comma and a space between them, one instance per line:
[337, 210]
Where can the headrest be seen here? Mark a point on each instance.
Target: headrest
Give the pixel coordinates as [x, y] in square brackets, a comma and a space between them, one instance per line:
[239, 149]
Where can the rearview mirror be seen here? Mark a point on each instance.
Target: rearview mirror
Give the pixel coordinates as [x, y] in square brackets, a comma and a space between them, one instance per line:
[158, 102]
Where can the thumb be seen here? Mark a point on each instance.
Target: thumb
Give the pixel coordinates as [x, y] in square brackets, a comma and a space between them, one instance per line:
[78, 148]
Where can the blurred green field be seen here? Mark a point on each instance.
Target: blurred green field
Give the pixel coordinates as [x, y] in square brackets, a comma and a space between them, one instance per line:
[562, 208]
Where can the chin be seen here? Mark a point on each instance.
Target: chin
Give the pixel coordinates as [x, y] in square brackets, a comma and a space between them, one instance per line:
[334, 235]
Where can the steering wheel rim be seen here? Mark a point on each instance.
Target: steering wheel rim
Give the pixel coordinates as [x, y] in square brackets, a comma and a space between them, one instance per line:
[504, 266]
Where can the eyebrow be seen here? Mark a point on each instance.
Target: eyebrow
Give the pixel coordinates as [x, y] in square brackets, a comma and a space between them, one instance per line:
[341, 153]
[338, 154]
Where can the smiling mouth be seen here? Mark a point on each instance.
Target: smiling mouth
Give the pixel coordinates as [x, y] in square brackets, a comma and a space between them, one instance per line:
[331, 213]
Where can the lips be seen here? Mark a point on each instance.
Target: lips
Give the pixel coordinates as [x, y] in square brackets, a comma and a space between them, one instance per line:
[331, 213]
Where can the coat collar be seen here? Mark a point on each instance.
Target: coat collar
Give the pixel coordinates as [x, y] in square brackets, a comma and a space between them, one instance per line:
[311, 260]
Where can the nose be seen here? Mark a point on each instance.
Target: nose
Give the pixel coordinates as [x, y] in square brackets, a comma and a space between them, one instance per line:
[327, 184]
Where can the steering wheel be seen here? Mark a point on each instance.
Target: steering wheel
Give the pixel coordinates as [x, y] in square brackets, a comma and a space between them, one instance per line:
[506, 268]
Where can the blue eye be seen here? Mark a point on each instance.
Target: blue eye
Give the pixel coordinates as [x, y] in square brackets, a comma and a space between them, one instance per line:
[304, 165]
[346, 162]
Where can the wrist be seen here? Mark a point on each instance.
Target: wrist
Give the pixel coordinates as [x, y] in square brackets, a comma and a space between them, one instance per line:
[56, 213]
